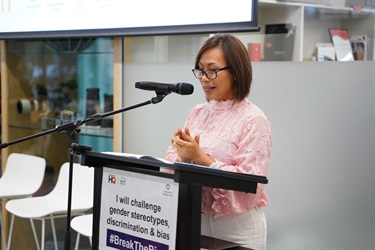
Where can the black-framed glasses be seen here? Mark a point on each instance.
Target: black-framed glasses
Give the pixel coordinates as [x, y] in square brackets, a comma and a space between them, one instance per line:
[210, 73]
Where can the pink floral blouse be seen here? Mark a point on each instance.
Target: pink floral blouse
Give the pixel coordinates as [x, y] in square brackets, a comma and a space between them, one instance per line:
[239, 138]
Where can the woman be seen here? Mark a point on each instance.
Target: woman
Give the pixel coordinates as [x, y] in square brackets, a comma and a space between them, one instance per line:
[231, 133]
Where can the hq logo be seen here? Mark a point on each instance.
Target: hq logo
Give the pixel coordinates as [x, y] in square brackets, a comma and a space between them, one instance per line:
[112, 179]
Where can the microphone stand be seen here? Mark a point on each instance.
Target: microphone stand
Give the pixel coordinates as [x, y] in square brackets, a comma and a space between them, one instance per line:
[72, 129]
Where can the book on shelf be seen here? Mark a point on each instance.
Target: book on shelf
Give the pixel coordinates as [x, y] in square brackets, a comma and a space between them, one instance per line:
[254, 50]
[341, 42]
[361, 47]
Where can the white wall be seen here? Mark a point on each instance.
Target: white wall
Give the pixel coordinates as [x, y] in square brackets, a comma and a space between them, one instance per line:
[147, 129]
[322, 173]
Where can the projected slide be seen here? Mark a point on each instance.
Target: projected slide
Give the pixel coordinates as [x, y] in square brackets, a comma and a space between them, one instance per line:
[62, 15]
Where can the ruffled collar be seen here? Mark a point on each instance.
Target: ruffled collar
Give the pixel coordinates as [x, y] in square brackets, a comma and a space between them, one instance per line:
[225, 105]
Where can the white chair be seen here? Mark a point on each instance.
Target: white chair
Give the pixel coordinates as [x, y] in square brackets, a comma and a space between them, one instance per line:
[83, 225]
[22, 177]
[54, 204]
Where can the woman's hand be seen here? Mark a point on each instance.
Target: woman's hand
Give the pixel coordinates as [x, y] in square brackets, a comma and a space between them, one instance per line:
[187, 148]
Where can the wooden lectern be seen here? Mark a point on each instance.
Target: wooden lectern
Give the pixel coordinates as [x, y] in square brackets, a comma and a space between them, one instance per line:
[190, 179]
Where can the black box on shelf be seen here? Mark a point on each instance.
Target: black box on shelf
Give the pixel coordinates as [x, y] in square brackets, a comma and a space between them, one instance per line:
[279, 42]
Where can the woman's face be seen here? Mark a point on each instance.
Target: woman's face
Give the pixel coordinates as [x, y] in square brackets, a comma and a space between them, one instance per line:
[221, 87]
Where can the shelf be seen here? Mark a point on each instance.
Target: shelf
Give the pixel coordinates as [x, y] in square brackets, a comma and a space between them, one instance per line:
[312, 23]
[97, 131]
[334, 5]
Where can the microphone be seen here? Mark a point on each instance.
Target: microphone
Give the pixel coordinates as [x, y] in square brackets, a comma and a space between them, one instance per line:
[181, 88]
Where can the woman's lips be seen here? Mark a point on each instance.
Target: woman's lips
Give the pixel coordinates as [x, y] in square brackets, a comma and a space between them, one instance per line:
[208, 88]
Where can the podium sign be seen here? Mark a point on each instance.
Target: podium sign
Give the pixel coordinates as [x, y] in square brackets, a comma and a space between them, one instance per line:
[137, 211]
[126, 190]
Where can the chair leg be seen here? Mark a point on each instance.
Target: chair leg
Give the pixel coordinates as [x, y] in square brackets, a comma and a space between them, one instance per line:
[34, 233]
[77, 241]
[10, 232]
[2, 230]
[54, 232]
[43, 232]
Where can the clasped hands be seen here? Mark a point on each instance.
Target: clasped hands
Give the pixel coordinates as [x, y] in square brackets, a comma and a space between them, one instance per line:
[188, 149]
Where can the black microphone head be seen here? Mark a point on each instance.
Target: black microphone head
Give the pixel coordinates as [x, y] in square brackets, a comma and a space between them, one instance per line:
[184, 88]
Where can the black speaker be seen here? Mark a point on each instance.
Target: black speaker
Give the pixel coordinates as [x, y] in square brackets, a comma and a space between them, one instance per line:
[107, 122]
[92, 104]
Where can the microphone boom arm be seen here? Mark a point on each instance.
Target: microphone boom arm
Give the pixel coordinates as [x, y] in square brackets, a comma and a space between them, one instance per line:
[71, 126]
[158, 98]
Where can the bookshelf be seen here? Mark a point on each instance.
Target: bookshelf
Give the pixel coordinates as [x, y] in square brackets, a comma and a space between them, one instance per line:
[312, 22]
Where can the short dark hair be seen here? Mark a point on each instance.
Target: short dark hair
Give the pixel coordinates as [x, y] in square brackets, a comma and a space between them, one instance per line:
[237, 59]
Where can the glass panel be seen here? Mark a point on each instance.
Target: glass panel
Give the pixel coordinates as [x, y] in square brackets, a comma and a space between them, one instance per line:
[49, 82]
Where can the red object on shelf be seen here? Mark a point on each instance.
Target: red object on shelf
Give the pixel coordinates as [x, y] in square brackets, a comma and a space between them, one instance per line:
[254, 50]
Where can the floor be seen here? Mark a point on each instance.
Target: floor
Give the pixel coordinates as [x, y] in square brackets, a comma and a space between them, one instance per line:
[84, 243]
